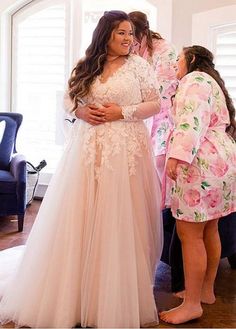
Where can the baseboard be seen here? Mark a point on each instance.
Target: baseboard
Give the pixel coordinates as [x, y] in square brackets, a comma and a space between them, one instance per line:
[40, 191]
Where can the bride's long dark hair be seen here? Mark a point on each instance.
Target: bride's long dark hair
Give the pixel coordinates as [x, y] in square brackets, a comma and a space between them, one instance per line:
[92, 65]
[199, 58]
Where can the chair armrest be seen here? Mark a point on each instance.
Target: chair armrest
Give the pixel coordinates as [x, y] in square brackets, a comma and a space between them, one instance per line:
[18, 170]
[18, 167]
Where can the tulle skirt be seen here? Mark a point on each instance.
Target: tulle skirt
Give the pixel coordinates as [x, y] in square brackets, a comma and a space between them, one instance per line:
[92, 252]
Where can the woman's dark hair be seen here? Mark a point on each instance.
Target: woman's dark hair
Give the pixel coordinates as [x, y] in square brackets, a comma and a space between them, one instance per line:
[141, 28]
[92, 65]
[199, 58]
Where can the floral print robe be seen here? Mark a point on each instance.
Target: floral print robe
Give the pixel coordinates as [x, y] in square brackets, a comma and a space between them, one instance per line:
[206, 175]
[163, 61]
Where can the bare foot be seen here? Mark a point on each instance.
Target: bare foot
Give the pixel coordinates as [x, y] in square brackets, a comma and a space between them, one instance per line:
[9, 325]
[181, 314]
[179, 294]
[208, 297]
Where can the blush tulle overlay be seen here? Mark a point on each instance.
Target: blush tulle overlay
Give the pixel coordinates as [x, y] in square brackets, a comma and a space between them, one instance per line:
[92, 252]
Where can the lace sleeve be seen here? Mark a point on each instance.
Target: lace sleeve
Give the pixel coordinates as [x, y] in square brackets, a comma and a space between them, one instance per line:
[68, 105]
[149, 88]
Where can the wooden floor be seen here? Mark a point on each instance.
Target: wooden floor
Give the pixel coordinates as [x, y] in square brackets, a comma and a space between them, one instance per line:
[220, 315]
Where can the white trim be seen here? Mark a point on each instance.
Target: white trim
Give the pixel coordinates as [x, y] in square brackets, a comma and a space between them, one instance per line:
[221, 29]
[16, 5]
[75, 37]
[40, 191]
[5, 51]
[6, 45]
[5, 62]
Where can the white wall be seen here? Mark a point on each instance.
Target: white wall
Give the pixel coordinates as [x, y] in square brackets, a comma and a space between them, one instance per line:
[211, 22]
[164, 13]
[182, 17]
[174, 16]
[164, 17]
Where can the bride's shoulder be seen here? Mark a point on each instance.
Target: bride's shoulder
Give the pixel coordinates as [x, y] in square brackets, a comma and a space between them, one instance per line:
[137, 60]
[138, 64]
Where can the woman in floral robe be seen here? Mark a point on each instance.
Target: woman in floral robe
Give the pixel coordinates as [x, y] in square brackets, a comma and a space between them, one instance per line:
[202, 166]
[162, 57]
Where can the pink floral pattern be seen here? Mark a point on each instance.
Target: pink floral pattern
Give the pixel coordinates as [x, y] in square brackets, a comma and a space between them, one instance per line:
[192, 197]
[206, 174]
[213, 197]
[163, 61]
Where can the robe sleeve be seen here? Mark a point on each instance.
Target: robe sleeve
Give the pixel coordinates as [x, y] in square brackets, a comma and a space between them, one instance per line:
[192, 109]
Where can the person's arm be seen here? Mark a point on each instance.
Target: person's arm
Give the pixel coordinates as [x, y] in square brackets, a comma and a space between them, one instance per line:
[149, 88]
[150, 104]
[164, 63]
[139, 111]
[192, 117]
[86, 112]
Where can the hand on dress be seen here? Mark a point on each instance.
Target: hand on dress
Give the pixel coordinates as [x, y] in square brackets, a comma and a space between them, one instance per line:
[91, 114]
[112, 111]
[171, 168]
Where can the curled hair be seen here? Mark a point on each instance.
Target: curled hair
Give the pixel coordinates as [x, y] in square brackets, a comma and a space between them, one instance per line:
[201, 59]
[92, 65]
[141, 28]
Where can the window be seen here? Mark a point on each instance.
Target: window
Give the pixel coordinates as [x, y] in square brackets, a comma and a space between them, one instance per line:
[92, 10]
[42, 46]
[39, 62]
[218, 33]
[41, 40]
[225, 57]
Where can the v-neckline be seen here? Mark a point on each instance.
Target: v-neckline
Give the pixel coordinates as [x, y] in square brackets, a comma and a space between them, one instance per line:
[113, 74]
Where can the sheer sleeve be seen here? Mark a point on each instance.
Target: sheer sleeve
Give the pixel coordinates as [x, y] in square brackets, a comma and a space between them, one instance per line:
[149, 88]
[68, 105]
[192, 110]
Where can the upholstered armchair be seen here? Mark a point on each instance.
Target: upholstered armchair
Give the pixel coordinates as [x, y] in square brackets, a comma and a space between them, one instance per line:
[12, 169]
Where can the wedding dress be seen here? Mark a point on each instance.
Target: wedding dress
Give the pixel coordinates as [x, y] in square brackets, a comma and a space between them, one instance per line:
[93, 249]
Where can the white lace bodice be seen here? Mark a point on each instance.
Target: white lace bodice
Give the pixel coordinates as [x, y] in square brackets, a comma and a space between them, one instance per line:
[135, 89]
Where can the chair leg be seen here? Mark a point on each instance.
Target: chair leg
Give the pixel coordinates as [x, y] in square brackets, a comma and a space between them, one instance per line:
[20, 223]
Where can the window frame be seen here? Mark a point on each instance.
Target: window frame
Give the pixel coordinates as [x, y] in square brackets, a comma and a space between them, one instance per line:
[211, 20]
[75, 12]
[221, 29]
[30, 8]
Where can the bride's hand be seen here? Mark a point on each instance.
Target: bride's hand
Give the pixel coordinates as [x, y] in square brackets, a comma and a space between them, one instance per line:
[91, 114]
[112, 111]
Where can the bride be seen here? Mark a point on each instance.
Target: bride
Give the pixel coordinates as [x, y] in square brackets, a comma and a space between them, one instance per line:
[92, 252]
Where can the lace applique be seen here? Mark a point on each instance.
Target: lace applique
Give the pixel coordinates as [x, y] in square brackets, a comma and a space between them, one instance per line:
[101, 144]
[128, 112]
[131, 85]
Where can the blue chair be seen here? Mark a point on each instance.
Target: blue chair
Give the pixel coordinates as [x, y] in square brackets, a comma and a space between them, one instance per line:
[12, 169]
